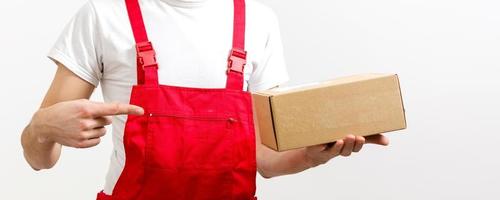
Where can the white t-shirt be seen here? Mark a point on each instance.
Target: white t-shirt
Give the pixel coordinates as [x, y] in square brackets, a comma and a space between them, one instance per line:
[192, 39]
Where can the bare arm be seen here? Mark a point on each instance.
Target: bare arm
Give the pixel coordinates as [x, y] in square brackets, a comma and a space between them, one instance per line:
[66, 117]
[65, 86]
[271, 163]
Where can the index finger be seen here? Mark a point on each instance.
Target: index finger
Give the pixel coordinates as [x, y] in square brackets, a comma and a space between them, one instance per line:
[107, 109]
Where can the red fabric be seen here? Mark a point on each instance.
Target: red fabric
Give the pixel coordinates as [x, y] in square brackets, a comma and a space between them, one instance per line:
[192, 143]
[102, 196]
[138, 28]
[235, 77]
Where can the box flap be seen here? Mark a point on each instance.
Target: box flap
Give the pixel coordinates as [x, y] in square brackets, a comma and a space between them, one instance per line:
[309, 86]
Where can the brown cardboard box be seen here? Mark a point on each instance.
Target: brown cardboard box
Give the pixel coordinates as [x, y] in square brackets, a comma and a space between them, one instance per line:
[367, 104]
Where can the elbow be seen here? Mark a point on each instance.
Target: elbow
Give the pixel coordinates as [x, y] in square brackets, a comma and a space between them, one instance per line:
[265, 174]
[43, 166]
[36, 163]
[31, 163]
[37, 166]
[31, 154]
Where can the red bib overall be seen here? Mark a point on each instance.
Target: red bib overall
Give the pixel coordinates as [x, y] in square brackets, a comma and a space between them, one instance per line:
[191, 143]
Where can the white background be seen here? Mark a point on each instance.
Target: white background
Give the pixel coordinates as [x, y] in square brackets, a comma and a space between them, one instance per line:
[447, 53]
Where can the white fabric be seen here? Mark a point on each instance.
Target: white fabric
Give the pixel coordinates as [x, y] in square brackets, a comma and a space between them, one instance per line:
[192, 39]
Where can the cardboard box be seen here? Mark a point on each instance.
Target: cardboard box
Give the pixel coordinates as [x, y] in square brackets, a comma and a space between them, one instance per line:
[319, 113]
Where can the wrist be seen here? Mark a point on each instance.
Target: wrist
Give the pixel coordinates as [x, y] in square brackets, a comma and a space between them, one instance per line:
[39, 129]
[307, 160]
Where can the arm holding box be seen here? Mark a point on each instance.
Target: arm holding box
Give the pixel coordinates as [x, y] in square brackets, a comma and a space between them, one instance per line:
[271, 163]
[293, 124]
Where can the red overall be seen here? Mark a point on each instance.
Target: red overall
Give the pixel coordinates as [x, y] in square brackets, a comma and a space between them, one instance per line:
[192, 143]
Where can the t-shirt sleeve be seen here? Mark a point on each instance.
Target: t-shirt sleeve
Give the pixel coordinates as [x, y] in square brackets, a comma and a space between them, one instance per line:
[78, 46]
[270, 69]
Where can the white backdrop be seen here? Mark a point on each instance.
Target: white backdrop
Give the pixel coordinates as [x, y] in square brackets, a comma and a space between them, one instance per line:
[445, 51]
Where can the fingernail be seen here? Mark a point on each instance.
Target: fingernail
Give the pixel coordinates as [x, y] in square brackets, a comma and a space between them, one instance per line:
[139, 110]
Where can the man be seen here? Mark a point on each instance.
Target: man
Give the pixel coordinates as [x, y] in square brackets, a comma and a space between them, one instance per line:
[191, 39]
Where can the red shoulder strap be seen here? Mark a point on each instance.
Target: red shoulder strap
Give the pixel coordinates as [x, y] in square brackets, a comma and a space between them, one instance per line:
[239, 25]
[136, 21]
[237, 55]
[147, 67]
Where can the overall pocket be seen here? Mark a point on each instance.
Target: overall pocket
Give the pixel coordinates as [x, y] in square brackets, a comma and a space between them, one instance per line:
[184, 142]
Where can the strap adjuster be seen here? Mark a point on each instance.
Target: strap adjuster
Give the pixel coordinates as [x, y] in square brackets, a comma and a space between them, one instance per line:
[237, 60]
[146, 55]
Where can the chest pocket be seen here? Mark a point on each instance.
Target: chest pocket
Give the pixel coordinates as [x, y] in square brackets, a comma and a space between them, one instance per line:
[190, 142]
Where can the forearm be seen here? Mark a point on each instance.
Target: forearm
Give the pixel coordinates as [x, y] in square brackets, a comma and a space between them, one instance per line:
[272, 163]
[38, 153]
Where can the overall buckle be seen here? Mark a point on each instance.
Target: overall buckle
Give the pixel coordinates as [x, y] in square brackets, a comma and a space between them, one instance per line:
[146, 55]
[237, 60]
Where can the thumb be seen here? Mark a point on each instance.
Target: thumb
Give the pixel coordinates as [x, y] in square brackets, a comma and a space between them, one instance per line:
[107, 109]
[377, 139]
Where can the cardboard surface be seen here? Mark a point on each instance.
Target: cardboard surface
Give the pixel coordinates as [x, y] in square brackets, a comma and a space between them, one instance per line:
[318, 113]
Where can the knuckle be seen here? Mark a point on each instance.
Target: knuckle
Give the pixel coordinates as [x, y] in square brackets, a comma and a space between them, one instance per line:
[80, 145]
[108, 120]
[83, 125]
[102, 131]
[84, 111]
[97, 141]
[116, 108]
[360, 139]
[94, 142]
[82, 135]
[334, 152]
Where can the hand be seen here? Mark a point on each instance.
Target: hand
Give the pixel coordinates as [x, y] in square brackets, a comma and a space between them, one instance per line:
[78, 123]
[320, 154]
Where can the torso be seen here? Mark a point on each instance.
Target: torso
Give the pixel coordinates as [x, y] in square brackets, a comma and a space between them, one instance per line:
[192, 44]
